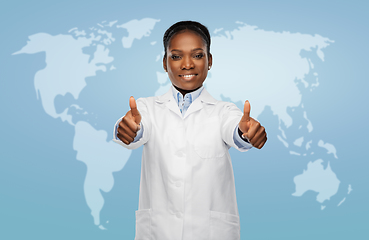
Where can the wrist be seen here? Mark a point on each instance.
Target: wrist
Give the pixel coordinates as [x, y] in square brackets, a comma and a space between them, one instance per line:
[240, 133]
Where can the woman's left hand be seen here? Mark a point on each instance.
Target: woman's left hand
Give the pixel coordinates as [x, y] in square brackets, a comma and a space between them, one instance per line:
[251, 128]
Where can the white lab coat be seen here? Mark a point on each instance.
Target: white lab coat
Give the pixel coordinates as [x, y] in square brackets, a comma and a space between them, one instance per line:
[187, 189]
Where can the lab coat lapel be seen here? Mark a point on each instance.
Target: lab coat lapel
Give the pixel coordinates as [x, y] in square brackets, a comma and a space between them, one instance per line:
[168, 100]
[205, 99]
[195, 106]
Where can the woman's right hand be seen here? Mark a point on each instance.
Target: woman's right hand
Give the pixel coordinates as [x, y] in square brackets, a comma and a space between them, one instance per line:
[130, 124]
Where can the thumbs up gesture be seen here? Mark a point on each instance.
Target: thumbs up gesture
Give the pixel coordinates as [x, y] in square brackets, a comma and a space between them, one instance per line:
[251, 128]
[130, 124]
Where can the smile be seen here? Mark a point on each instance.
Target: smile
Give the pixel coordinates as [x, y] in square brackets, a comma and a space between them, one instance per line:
[188, 76]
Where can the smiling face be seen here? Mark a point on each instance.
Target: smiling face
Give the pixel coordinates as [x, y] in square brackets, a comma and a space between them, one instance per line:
[187, 61]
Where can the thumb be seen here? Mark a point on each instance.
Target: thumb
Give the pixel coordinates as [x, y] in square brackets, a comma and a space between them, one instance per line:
[246, 112]
[244, 124]
[134, 110]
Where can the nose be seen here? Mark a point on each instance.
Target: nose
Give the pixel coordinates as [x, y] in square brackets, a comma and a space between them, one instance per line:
[187, 63]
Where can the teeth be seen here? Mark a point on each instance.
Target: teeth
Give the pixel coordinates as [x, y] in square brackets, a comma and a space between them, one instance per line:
[188, 76]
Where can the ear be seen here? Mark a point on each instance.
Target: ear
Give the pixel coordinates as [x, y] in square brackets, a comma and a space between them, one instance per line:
[165, 64]
[210, 61]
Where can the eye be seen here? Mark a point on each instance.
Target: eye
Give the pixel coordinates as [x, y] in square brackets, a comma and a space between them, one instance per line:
[175, 57]
[199, 55]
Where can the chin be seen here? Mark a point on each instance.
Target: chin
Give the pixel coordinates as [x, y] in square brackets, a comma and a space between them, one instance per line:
[189, 88]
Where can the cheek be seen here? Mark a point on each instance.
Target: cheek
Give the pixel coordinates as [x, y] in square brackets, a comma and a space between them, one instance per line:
[171, 72]
[171, 75]
[172, 66]
[203, 63]
[203, 66]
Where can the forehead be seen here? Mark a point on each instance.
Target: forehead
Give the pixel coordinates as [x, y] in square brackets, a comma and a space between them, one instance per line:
[186, 39]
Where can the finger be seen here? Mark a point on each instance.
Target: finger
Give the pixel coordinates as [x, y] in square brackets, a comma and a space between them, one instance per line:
[128, 126]
[133, 106]
[253, 129]
[129, 122]
[262, 144]
[260, 133]
[126, 136]
[246, 111]
[123, 139]
[259, 137]
[126, 130]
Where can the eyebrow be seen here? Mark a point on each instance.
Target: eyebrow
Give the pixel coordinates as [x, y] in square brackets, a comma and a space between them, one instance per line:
[193, 50]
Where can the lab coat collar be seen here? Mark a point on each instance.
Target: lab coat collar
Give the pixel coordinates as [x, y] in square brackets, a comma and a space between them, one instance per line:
[204, 97]
[170, 102]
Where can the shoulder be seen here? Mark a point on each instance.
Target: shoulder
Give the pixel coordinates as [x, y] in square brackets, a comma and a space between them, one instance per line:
[207, 98]
[150, 103]
[146, 99]
[144, 103]
[219, 108]
[227, 109]
[151, 99]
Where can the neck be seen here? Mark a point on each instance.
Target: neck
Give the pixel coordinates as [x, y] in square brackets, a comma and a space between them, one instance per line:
[184, 92]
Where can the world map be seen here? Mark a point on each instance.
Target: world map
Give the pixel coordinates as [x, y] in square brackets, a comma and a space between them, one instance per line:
[274, 70]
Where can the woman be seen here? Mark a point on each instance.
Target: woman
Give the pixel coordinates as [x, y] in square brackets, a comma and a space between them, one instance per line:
[187, 188]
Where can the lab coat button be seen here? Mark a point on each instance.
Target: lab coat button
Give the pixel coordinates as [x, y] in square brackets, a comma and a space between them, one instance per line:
[179, 215]
[178, 184]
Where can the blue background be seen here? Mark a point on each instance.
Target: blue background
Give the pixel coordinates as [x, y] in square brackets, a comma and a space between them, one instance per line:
[42, 183]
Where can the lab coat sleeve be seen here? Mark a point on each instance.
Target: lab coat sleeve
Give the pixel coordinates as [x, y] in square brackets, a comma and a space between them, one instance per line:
[145, 124]
[241, 143]
[230, 118]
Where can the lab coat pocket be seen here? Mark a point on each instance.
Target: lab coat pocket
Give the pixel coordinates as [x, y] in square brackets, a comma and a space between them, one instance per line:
[224, 226]
[143, 224]
[208, 140]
